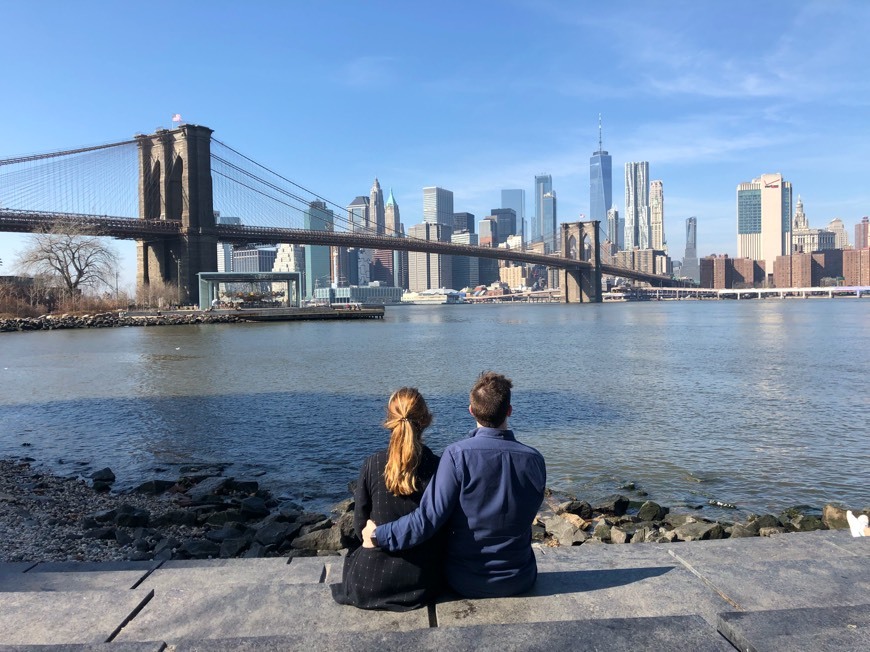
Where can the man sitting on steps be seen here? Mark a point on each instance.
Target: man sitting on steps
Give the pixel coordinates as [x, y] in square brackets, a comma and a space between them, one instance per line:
[486, 492]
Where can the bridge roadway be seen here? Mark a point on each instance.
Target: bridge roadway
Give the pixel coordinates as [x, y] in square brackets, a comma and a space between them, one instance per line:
[22, 221]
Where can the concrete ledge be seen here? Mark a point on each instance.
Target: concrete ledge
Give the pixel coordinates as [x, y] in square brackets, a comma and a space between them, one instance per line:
[66, 617]
[819, 629]
[91, 566]
[158, 646]
[675, 633]
[222, 611]
[251, 572]
[70, 581]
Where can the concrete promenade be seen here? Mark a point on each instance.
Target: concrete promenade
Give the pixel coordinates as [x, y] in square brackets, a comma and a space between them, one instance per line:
[807, 591]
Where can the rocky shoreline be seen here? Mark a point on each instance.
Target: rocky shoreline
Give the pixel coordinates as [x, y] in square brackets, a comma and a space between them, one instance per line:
[114, 320]
[205, 514]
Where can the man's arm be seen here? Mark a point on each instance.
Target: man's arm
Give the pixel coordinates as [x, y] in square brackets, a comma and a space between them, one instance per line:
[438, 502]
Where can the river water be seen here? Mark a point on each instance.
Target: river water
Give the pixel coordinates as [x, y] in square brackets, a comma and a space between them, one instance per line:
[760, 404]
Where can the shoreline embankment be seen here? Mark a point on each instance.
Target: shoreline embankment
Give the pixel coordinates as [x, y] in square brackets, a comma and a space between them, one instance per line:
[207, 514]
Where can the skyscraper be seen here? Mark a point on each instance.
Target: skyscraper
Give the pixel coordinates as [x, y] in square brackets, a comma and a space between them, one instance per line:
[438, 206]
[225, 249]
[394, 228]
[549, 230]
[600, 182]
[862, 233]
[376, 208]
[317, 273]
[690, 258]
[764, 219]
[516, 198]
[358, 215]
[657, 215]
[543, 185]
[614, 230]
[637, 205]
[506, 218]
[430, 271]
[840, 234]
[463, 222]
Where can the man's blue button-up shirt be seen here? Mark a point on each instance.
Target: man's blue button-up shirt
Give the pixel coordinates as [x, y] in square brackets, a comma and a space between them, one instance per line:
[486, 492]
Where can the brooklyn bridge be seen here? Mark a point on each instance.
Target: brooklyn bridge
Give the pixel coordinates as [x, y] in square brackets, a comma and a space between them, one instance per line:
[162, 190]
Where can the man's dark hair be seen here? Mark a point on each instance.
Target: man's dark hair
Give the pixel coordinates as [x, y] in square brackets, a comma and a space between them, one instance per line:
[491, 399]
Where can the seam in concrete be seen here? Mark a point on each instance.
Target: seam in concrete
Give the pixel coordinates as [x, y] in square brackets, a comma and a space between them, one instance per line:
[433, 614]
[841, 548]
[707, 582]
[31, 567]
[131, 616]
[323, 572]
[145, 576]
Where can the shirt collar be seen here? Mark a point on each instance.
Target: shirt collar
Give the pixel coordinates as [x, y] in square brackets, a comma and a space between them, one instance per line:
[493, 433]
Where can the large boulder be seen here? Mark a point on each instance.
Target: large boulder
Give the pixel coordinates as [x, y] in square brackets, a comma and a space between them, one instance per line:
[200, 549]
[129, 516]
[701, 531]
[578, 507]
[103, 475]
[615, 504]
[560, 529]
[834, 517]
[154, 487]
[765, 520]
[253, 508]
[329, 539]
[651, 511]
[210, 486]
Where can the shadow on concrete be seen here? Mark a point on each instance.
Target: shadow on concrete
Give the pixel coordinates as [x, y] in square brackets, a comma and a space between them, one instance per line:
[579, 581]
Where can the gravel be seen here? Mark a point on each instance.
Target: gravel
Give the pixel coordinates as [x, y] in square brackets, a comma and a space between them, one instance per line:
[41, 518]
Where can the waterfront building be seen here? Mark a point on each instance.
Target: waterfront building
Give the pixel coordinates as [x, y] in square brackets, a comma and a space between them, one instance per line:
[376, 208]
[549, 225]
[225, 249]
[317, 258]
[856, 266]
[637, 205]
[690, 267]
[725, 273]
[862, 233]
[254, 259]
[600, 184]
[841, 236]
[516, 198]
[358, 214]
[430, 271]
[372, 293]
[543, 186]
[438, 206]
[657, 215]
[808, 269]
[514, 277]
[466, 269]
[614, 231]
[806, 240]
[506, 221]
[764, 218]
[463, 222]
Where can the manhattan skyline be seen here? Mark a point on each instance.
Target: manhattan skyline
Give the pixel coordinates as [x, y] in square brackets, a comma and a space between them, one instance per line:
[711, 96]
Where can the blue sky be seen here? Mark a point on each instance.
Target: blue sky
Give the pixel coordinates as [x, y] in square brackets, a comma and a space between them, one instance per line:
[470, 96]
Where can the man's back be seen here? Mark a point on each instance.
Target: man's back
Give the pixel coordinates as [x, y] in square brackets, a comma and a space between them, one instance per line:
[501, 486]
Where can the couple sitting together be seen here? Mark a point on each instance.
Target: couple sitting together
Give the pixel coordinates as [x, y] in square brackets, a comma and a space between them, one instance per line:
[466, 519]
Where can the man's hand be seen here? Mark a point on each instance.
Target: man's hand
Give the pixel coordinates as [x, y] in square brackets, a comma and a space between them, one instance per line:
[368, 535]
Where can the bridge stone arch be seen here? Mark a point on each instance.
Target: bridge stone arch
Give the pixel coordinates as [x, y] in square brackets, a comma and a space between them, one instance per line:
[175, 185]
[580, 242]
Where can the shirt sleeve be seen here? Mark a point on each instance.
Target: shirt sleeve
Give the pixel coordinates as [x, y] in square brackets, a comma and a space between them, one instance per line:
[362, 500]
[437, 504]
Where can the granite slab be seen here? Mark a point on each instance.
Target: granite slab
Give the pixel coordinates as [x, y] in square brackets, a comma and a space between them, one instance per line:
[247, 571]
[90, 566]
[156, 646]
[751, 584]
[588, 594]
[222, 611]
[70, 581]
[66, 617]
[675, 633]
[822, 544]
[820, 629]
[13, 567]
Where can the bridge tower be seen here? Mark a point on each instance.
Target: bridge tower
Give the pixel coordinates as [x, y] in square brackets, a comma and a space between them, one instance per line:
[580, 242]
[175, 184]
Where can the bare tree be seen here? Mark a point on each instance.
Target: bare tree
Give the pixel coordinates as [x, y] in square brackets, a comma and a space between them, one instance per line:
[76, 257]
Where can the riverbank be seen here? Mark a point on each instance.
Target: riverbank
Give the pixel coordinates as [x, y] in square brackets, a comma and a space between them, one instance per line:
[114, 320]
[205, 514]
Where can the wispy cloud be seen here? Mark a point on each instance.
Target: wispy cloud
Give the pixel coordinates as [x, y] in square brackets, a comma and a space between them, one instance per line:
[368, 72]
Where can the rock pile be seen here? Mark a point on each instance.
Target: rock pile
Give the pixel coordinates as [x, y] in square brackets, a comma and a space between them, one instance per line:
[205, 514]
[112, 320]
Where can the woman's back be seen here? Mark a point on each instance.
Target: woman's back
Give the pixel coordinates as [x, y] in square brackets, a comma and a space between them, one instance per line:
[377, 579]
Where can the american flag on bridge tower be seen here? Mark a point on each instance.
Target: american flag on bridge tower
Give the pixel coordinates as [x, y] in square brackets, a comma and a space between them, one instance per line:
[176, 117]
